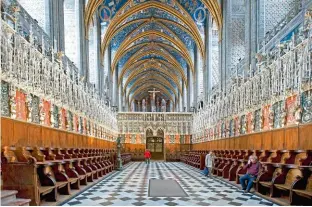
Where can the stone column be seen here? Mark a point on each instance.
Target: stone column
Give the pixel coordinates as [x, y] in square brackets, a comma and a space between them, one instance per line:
[110, 75]
[189, 89]
[223, 53]
[183, 96]
[115, 87]
[126, 103]
[251, 32]
[196, 82]
[83, 52]
[57, 23]
[98, 52]
[208, 58]
[180, 102]
[120, 97]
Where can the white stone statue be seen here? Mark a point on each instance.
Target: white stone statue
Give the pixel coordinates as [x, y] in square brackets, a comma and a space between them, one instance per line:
[163, 105]
[132, 106]
[143, 105]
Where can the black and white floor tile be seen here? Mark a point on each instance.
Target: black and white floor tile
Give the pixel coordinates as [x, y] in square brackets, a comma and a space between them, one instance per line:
[130, 188]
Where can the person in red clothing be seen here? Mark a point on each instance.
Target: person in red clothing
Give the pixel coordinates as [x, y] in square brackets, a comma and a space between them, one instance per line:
[147, 156]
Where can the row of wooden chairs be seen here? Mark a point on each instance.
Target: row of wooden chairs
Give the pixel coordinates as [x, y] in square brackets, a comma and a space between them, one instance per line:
[173, 157]
[284, 173]
[126, 158]
[48, 172]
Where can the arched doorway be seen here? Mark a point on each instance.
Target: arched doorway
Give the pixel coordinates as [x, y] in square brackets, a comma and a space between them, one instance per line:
[155, 144]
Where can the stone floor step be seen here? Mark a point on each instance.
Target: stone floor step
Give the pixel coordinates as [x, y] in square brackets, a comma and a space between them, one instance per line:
[17, 202]
[8, 195]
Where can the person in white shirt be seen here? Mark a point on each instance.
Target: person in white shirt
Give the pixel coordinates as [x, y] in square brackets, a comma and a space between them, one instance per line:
[209, 159]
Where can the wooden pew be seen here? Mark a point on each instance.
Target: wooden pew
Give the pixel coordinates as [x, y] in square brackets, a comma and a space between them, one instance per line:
[301, 195]
[284, 182]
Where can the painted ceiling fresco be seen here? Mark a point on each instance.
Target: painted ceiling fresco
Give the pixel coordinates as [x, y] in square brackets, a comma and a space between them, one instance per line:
[152, 42]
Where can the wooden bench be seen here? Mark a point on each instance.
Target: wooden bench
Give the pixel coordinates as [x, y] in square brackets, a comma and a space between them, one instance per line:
[301, 195]
[48, 172]
[284, 182]
[265, 179]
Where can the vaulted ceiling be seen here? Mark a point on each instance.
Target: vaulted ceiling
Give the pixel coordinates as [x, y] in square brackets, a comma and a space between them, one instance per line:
[152, 41]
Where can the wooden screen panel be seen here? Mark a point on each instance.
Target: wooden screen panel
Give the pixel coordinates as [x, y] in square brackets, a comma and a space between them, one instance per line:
[305, 137]
[278, 139]
[7, 129]
[20, 134]
[255, 141]
[291, 138]
[34, 135]
[266, 140]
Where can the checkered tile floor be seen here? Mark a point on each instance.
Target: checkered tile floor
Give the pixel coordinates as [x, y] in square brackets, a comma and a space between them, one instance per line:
[130, 188]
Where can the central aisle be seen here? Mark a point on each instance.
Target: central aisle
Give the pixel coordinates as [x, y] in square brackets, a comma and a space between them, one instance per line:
[130, 188]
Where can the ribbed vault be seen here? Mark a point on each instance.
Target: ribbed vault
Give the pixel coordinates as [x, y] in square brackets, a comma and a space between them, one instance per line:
[152, 43]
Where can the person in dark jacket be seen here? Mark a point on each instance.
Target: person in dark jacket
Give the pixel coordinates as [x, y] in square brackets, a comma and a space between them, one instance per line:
[253, 167]
[147, 156]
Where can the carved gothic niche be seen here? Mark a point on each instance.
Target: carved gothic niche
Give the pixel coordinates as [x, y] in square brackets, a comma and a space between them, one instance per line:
[160, 133]
[149, 133]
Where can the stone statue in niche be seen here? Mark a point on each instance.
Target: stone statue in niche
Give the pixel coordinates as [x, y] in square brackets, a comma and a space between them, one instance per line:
[143, 105]
[298, 114]
[132, 106]
[283, 115]
[163, 105]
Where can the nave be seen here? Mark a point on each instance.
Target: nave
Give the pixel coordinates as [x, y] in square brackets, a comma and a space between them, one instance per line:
[130, 187]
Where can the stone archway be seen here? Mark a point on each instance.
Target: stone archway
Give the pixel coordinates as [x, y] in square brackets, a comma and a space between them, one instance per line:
[155, 143]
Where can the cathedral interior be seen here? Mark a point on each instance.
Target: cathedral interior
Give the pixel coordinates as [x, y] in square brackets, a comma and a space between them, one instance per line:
[156, 102]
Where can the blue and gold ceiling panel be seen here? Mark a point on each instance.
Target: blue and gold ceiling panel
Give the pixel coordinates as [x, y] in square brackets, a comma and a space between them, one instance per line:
[153, 40]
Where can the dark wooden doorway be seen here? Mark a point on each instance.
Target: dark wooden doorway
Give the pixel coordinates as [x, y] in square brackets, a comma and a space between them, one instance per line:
[155, 144]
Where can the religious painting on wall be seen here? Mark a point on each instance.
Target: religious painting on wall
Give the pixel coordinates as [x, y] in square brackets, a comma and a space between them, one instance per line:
[35, 109]
[167, 139]
[278, 113]
[266, 117]
[63, 119]
[84, 126]
[138, 139]
[257, 120]
[236, 122]
[142, 139]
[182, 139]
[177, 139]
[243, 124]
[291, 107]
[55, 116]
[75, 123]
[172, 139]
[133, 138]
[211, 134]
[127, 140]
[250, 123]
[231, 128]
[46, 109]
[223, 129]
[70, 124]
[21, 108]
[306, 107]
[81, 126]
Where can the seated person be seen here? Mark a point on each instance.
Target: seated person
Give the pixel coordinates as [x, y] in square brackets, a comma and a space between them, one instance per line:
[253, 167]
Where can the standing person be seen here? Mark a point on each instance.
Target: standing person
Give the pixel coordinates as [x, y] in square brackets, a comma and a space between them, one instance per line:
[253, 167]
[209, 159]
[147, 156]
